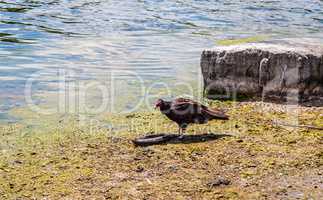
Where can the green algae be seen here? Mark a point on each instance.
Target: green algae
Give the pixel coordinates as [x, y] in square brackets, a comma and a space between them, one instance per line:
[257, 38]
[69, 159]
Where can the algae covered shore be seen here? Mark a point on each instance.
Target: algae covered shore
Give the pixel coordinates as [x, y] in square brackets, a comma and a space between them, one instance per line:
[259, 160]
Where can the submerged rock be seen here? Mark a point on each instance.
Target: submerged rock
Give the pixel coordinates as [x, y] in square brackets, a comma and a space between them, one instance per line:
[289, 72]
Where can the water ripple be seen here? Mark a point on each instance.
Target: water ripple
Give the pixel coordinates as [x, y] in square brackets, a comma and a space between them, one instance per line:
[158, 40]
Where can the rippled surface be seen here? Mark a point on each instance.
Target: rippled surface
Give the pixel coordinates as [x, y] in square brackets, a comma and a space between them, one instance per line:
[157, 40]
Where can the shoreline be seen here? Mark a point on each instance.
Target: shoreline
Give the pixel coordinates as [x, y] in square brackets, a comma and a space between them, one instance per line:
[260, 161]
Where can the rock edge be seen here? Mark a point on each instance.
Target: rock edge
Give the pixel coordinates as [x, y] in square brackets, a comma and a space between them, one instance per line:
[284, 72]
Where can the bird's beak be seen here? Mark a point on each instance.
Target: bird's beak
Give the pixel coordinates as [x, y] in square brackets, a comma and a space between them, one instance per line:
[156, 106]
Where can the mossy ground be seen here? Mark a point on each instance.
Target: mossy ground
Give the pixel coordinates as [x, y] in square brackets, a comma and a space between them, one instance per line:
[73, 161]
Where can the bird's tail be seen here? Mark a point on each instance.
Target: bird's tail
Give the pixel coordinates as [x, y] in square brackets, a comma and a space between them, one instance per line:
[215, 114]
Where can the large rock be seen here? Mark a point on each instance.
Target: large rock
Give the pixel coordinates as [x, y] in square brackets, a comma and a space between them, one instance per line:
[285, 72]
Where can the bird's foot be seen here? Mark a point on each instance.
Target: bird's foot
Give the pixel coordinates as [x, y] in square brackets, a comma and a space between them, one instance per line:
[181, 136]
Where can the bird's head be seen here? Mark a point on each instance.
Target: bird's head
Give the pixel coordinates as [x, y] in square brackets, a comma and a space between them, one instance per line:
[159, 103]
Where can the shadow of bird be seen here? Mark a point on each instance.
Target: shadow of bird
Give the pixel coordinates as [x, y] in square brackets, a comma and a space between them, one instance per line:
[185, 111]
[163, 138]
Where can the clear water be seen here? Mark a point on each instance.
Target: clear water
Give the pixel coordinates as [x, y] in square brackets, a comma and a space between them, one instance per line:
[158, 40]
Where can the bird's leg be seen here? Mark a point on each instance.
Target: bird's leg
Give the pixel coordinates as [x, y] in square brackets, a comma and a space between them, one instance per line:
[182, 129]
[179, 130]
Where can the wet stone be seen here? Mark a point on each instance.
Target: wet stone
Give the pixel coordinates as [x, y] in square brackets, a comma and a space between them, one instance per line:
[219, 182]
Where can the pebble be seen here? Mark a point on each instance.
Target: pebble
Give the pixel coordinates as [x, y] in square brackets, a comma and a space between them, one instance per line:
[139, 169]
[218, 182]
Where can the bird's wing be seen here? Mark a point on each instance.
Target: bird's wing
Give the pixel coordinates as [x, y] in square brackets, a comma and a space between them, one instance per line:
[181, 105]
[215, 113]
[186, 104]
[184, 100]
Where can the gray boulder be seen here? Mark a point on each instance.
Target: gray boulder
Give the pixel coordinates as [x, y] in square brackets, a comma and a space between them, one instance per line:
[284, 72]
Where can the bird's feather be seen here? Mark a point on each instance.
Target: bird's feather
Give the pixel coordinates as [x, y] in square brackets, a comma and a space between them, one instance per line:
[215, 114]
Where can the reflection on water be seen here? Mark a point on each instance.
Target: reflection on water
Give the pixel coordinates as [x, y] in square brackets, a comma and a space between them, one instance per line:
[157, 40]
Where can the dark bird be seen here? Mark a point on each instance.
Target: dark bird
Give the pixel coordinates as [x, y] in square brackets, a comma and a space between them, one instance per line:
[185, 111]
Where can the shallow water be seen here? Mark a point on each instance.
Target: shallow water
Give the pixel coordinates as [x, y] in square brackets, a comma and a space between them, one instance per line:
[61, 47]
